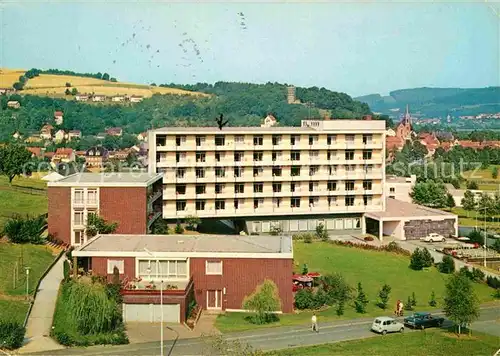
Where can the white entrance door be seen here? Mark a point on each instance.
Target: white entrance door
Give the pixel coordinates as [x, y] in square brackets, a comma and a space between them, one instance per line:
[214, 299]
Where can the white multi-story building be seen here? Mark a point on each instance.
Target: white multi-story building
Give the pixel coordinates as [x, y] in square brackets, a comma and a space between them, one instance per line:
[329, 171]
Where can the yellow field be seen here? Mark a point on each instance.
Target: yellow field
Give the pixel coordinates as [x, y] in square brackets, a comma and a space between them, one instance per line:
[9, 76]
[55, 85]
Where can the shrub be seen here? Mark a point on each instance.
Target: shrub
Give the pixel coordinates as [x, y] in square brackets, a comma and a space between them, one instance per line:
[179, 229]
[263, 302]
[472, 185]
[192, 222]
[493, 282]
[361, 301]
[384, 296]
[68, 85]
[427, 259]
[321, 232]
[477, 275]
[304, 299]
[416, 262]
[11, 335]
[305, 236]
[308, 239]
[97, 225]
[305, 269]
[275, 231]
[413, 300]
[408, 305]
[336, 288]
[159, 227]
[25, 230]
[432, 301]
[391, 247]
[66, 270]
[476, 236]
[447, 265]
[369, 238]
[340, 309]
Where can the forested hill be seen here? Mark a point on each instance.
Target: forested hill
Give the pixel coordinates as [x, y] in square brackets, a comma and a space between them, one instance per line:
[241, 103]
[437, 101]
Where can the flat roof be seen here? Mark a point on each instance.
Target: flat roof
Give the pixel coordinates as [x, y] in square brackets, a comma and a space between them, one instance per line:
[397, 209]
[112, 179]
[235, 246]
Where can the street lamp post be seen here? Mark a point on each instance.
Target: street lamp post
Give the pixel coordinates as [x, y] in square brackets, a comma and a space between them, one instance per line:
[161, 303]
[27, 281]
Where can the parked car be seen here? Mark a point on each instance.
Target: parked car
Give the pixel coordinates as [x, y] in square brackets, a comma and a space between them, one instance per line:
[385, 324]
[423, 320]
[433, 237]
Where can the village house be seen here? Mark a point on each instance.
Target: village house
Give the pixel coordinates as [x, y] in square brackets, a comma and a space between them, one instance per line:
[63, 155]
[13, 104]
[430, 141]
[58, 117]
[74, 134]
[46, 132]
[96, 157]
[136, 99]
[98, 97]
[6, 91]
[81, 97]
[33, 138]
[120, 155]
[16, 135]
[143, 136]
[114, 131]
[60, 136]
[101, 135]
[269, 121]
[118, 98]
[36, 151]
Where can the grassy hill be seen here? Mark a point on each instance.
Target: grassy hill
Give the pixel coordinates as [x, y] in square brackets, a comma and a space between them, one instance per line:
[437, 101]
[54, 85]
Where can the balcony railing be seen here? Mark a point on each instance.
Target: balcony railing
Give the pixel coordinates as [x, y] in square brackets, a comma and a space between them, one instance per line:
[142, 288]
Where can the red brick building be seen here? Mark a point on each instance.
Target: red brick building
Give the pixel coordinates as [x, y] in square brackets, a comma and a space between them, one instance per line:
[130, 199]
[217, 271]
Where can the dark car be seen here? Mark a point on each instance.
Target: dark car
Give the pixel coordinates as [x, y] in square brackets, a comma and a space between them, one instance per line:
[423, 320]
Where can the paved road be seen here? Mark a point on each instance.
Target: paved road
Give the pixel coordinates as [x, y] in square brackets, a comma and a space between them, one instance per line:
[273, 338]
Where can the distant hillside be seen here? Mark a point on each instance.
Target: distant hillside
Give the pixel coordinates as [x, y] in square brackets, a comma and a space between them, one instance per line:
[437, 101]
[55, 85]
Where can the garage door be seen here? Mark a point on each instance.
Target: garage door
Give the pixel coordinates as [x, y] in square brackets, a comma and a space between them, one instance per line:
[151, 313]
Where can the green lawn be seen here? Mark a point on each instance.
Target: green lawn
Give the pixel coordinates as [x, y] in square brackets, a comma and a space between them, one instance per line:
[431, 342]
[12, 297]
[372, 269]
[469, 219]
[482, 174]
[16, 201]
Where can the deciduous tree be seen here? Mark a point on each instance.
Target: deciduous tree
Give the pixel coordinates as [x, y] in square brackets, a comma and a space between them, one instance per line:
[14, 161]
[264, 302]
[461, 304]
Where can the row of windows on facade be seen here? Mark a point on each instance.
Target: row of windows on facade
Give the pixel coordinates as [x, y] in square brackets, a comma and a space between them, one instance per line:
[91, 196]
[258, 187]
[306, 224]
[258, 140]
[258, 156]
[277, 171]
[168, 269]
[295, 202]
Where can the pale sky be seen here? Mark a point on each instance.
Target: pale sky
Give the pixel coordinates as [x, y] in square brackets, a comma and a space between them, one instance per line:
[357, 48]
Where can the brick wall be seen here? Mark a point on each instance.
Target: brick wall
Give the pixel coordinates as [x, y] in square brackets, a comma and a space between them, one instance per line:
[125, 205]
[240, 277]
[100, 267]
[59, 213]
[416, 229]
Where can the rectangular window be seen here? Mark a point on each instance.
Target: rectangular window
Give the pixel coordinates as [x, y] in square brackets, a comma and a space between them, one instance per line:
[238, 171]
[276, 140]
[200, 173]
[349, 138]
[295, 202]
[313, 139]
[79, 237]
[258, 171]
[239, 139]
[92, 196]
[78, 218]
[313, 201]
[180, 157]
[163, 269]
[367, 139]
[220, 172]
[116, 263]
[201, 189]
[79, 196]
[367, 185]
[367, 154]
[332, 201]
[258, 203]
[277, 171]
[294, 187]
[350, 168]
[220, 205]
[332, 186]
[313, 186]
[258, 140]
[257, 156]
[368, 168]
[295, 171]
[180, 205]
[220, 140]
[239, 188]
[294, 140]
[219, 188]
[238, 203]
[258, 187]
[295, 155]
[349, 185]
[331, 155]
[276, 156]
[277, 187]
[367, 199]
[200, 156]
[238, 156]
[180, 189]
[332, 170]
[200, 204]
[349, 155]
[200, 140]
[276, 202]
[213, 268]
[314, 155]
[180, 140]
[180, 172]
[313, 170]
[331, 139]
[349, 201]
[219, 156]
[392, 190]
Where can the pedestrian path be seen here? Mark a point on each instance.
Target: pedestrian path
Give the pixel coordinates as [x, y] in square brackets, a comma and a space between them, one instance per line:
[39, 325]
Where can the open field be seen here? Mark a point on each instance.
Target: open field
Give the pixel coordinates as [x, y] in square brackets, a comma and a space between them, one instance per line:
[17, 199]
[13, 304]
[55, 85]
[469, 219]
[481, 174]
[431, 342]
[372, 269]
